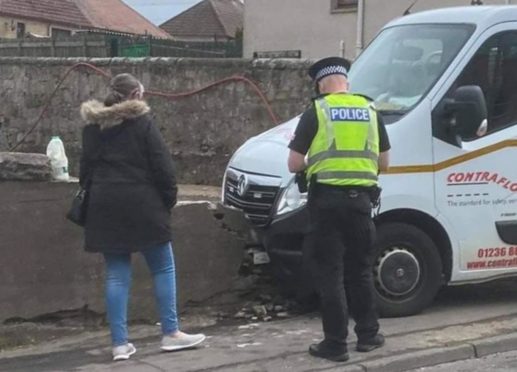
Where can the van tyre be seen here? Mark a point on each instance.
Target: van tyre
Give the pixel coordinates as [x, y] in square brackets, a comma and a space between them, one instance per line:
[407, 270]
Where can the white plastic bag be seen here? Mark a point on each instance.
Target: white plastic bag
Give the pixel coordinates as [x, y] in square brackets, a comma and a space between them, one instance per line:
[58, 159]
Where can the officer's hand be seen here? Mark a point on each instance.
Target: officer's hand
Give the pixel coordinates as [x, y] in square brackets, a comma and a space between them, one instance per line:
[301, 180]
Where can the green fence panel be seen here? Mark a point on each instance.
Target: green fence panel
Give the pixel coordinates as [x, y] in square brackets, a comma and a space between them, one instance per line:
[135, 50]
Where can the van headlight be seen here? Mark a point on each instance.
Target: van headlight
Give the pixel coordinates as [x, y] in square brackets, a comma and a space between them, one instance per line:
[291, 199]
[223, 188]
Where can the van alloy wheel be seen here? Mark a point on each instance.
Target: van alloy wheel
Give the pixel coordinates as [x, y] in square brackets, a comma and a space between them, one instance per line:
[397, 272]
[407, 269]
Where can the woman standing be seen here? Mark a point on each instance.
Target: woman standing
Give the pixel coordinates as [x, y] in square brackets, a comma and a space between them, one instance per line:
[132, 187]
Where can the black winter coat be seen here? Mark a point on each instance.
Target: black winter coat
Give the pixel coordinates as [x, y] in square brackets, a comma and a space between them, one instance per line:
[133, 185]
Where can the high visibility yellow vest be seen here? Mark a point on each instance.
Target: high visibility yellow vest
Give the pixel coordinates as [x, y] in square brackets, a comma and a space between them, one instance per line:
[345, 150]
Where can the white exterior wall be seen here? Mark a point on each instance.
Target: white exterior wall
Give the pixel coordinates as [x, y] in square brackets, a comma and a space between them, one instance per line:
[310, 26]
[306, 25]
[8, 27]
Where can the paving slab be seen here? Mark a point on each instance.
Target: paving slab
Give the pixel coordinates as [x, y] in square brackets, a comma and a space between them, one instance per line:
[269, 346]
[463, 323]
[419, 358]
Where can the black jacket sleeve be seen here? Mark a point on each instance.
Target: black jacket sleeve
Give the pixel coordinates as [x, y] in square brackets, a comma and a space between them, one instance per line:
[384, 141]
[305, 131]
[91, 144]
[161, 166]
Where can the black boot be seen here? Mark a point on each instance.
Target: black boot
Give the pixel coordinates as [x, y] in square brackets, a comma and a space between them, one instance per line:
[370, 344]
[323, 350]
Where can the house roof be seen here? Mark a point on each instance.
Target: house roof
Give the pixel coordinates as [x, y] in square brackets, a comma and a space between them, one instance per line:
[115, 15]
[208, 18]
[112, 15]
[65, 12]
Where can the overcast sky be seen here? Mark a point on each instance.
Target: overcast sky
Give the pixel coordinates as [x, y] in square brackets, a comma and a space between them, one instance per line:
[159, 11]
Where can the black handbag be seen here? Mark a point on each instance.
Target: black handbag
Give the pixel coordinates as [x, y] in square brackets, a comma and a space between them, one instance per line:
[77, 212]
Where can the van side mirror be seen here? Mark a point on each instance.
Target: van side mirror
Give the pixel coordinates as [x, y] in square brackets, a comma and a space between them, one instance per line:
[468, 110]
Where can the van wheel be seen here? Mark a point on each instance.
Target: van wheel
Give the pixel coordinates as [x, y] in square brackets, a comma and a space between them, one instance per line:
[407, 270]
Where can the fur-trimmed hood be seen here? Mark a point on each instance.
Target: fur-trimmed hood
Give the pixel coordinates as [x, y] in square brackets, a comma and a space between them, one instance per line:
[94, 112]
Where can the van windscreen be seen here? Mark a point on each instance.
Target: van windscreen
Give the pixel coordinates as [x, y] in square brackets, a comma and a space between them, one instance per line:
[400, 66]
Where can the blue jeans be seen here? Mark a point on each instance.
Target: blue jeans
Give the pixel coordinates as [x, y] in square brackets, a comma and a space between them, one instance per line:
[160, 261]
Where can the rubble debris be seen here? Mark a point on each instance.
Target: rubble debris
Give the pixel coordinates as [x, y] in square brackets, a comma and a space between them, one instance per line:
[240, 315]
[260, 310]
[266, 307]
[249, 344]
[249, 326]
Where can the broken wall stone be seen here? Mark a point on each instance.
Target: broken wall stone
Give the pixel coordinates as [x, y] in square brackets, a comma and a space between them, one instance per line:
[15, 166]
[202, 130]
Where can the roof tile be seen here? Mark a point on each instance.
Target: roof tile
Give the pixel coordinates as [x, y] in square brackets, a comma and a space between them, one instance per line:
[112, 15]
[209, 18]
[115, 15]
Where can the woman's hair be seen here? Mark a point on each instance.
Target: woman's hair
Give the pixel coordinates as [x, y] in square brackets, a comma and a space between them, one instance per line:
[121, 87]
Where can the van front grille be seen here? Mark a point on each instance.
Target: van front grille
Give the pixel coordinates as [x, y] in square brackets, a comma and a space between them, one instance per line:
[254, 199]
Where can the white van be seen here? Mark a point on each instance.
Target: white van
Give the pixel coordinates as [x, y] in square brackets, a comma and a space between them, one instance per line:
[449, 202]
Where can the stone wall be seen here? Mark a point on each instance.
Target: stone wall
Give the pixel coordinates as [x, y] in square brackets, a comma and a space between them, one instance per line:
[44, 268]
[202, 130]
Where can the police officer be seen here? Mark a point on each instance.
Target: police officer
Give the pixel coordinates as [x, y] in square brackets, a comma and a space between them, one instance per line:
[342, 145]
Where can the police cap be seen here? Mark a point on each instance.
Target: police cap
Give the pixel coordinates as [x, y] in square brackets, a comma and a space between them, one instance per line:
[329, 66]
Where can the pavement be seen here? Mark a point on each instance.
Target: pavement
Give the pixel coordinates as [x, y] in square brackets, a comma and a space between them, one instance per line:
[464, 323]
[500, 362]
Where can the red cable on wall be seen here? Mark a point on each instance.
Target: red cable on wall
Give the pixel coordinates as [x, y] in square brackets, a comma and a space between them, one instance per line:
[172, 96]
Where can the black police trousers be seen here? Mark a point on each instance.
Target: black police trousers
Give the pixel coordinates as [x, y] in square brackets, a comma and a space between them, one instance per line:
[340, 256]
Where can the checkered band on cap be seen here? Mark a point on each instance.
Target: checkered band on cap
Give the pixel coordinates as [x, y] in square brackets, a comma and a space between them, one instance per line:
[331, 70]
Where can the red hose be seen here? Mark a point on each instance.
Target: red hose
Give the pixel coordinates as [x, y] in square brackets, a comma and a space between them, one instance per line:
[219, 82]
[106, 75]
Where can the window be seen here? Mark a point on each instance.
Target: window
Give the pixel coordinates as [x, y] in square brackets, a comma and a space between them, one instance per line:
[494, 69]
[403, 63]
[343, 5]
[20, 30]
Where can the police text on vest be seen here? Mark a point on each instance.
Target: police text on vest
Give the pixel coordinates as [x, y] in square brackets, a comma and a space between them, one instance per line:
[349, 114]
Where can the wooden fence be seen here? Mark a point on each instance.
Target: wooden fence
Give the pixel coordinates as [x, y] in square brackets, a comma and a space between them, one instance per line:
[82, 46]
[94, 45]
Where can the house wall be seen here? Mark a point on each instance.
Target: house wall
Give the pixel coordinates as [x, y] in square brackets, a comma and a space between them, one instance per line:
[306, 25]
[35, 27]
[310, 26]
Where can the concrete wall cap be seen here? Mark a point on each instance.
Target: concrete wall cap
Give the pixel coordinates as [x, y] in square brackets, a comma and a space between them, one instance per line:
[237, 62]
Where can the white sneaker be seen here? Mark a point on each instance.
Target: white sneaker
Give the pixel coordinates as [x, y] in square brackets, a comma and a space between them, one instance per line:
[123, 352]
[181, 341]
